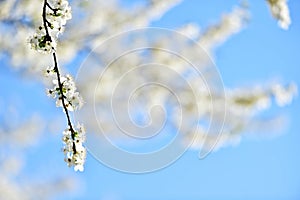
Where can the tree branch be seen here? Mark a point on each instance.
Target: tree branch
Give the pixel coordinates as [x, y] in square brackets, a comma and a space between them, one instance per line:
[60, 84]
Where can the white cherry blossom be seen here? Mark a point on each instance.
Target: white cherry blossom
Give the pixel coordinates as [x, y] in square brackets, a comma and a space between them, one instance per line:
[280, 11]
[75, 152]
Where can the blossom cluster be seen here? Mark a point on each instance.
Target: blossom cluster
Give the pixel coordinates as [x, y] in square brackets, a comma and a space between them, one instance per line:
[280, 11]
[75, 152]
[68, 91]
[57, 12]
[65, 93]
[41, 42]
[60, 13]
[284, 95]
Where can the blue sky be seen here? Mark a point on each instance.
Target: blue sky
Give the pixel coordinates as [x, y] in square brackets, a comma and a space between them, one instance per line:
[255, 169]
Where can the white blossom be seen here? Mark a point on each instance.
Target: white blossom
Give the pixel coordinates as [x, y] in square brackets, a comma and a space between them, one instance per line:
[248, 101]
[72, 98]
[41, 42]
[231, 23]
[75, 152]
[49, 72]
[58, 15]
[51, 93]
[280, 11]
[190, 30]
[284, 95]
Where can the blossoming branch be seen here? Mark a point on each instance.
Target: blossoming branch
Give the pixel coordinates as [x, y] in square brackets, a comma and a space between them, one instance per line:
[55, 15]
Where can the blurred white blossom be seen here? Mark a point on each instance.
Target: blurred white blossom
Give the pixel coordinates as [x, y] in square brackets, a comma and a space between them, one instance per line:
[280, 11]
[284, 95]
[231, 23]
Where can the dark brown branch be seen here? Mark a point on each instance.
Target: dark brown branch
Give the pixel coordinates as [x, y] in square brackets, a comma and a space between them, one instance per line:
[48, 37]
[53, 9]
